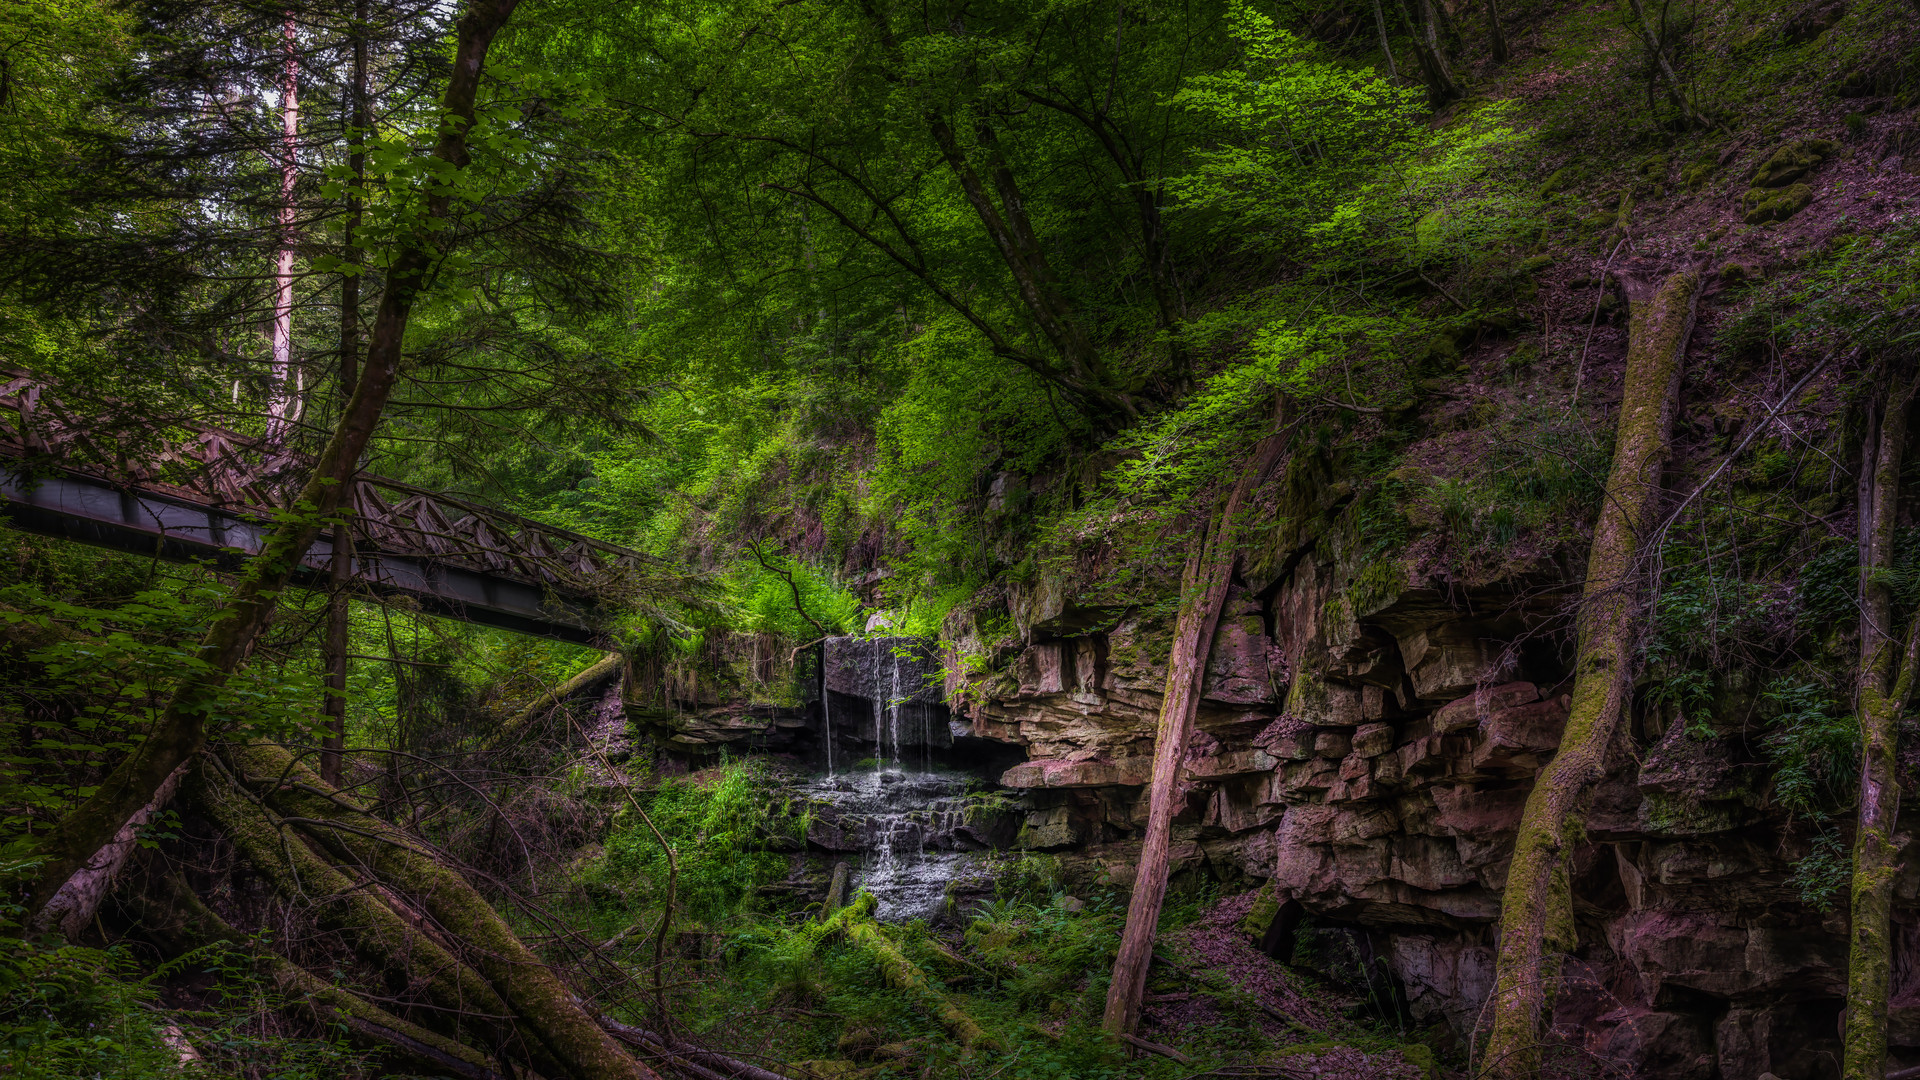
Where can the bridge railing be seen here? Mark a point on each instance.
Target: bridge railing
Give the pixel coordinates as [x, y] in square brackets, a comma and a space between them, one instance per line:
[223, 469]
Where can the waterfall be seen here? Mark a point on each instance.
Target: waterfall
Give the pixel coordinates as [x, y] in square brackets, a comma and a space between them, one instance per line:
[893, 706]
[826, 710]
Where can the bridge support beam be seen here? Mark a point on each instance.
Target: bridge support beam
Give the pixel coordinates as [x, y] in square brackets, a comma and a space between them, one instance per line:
[91, 511]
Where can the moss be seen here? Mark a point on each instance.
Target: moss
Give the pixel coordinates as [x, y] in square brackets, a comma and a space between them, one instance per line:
[1792, 161]
[1260, 916]
[1557, 182]
[1696, 176]
[1760, 205]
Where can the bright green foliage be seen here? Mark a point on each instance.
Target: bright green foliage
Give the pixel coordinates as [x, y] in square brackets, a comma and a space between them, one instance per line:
[768, 601]
[721, 824]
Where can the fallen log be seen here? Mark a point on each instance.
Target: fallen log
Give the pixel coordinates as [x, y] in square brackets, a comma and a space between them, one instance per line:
[177, 920]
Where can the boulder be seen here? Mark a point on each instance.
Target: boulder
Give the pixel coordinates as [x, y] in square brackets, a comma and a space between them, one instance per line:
[1793, 160]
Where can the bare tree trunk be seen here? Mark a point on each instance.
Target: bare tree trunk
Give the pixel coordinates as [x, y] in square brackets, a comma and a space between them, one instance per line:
[1428, 49]
[181, 729]
[283, 405]
[1657, 53]
[1499, 36]
[73, 907]
[1537, 909]
[1380, 24]
[1209, 571]
[1885, 687]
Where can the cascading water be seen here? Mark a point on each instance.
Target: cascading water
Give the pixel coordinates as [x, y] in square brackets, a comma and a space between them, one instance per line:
[910, 825]
[906, 816]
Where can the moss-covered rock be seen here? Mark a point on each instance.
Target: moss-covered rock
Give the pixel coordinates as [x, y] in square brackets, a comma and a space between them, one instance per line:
[1260, 916]
[1760, 205]
[1792, 161]
[1696, 176]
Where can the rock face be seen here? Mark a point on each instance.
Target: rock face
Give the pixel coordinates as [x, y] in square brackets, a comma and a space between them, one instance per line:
[1372, 760]
[1367, 749]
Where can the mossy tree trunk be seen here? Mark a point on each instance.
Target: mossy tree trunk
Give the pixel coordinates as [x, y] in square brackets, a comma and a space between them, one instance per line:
[1884, 689]
[532, 992]
[1209, 572]
[174, 918]
[415, 964]
[1537, 909]
[181, 729]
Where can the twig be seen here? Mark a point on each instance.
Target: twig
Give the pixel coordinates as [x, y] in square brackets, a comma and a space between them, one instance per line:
[1580, 368]
[1156, 1048]
[793, 586]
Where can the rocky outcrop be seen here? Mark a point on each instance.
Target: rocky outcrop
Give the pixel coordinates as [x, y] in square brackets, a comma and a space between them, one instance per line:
[1365, 745]
[1370, 758]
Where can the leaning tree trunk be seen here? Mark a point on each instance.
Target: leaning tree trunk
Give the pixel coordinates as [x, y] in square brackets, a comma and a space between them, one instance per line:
[1537, 909]
[1885, 686]
[1203, 590]
[181, 729]
[411, 960]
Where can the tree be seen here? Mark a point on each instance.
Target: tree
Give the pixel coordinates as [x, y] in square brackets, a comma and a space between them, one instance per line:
[418, 250]
[965, 160]
[1883, 692]
[1213, 555]
[1536, 920]
[1435, 71]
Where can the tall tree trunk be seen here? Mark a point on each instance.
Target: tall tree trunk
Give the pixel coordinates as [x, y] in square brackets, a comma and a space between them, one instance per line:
[1885, 687]
[359, 124]
[1498, 36]
[1429, 50]
[283, 404]
[1386, 50]
[1537, 909]
[334, 709]
[1209, 571]
[1655, 45]
[181, 730]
